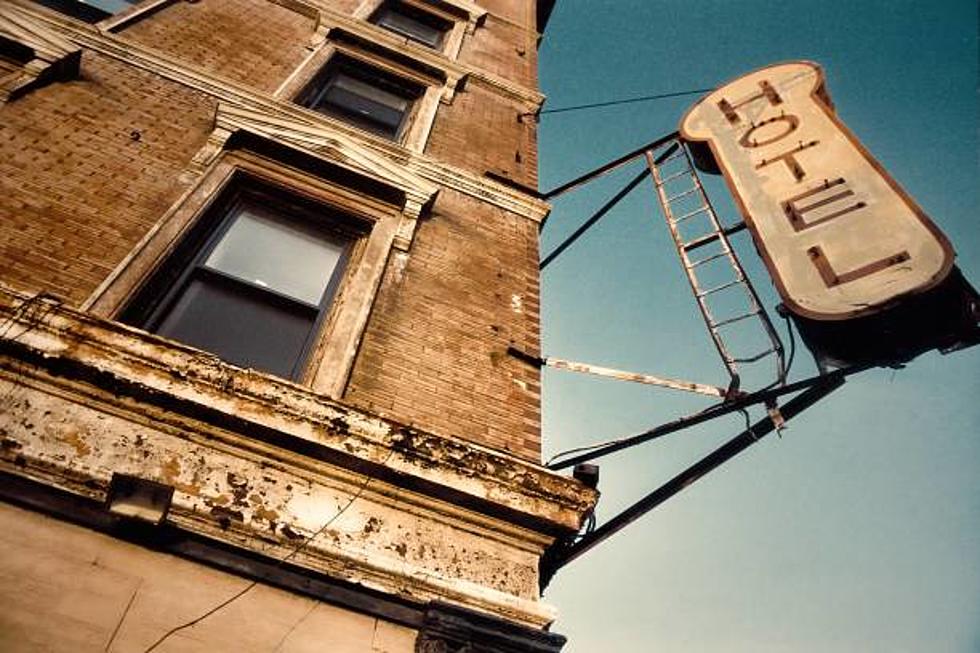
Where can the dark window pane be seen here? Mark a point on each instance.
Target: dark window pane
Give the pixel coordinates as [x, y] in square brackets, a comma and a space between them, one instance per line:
[291, 258]
[416, 28]
[240, 325]
[112, 6]
[362, 103]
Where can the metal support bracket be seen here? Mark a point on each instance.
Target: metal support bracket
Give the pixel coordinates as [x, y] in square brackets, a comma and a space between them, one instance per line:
[566, 551]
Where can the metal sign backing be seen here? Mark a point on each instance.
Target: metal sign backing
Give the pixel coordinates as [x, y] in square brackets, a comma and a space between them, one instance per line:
[840, 237]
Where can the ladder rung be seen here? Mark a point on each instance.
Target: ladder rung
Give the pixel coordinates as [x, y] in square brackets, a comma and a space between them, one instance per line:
[698, 242]
[711, 291]
[674, 176]
[684, 194]
[737, 318]
[752, 359]
[704, 240]
[707, 259]
[676, 155]
[691, 214]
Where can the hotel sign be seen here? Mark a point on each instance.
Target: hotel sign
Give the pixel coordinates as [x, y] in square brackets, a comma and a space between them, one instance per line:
[841, 239]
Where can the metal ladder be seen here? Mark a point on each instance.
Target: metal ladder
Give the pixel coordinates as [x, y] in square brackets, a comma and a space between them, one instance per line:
[698, 205]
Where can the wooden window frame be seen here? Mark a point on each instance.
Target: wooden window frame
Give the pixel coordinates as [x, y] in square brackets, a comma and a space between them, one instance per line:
[414, 132]
[342, 65]
[442, 23]
[465, 16]
[186, 263]
[335, 340]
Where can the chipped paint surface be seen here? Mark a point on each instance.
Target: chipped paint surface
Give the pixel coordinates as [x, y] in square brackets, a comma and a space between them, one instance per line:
[71, 423]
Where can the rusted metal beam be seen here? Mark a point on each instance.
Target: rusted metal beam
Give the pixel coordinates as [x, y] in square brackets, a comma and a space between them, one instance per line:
[626, 190]
[635, 377]
[607, 167]
[718, 410]
[712, 461]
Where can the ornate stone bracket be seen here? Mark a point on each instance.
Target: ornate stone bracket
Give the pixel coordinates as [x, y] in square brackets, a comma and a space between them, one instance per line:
[451, 629]
[43, 54]
[210, 151]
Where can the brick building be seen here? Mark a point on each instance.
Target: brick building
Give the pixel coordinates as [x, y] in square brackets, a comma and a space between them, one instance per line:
[261, 266]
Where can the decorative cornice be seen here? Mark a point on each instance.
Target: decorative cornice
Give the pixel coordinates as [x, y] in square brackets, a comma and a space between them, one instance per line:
[238, 95]
[451, 629]
[326, 143]
[194, 383]
[337, 147]
[482, 188]
[52, 56]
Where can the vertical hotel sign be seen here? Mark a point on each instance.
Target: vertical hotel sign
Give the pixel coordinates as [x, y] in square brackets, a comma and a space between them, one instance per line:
[841, 239]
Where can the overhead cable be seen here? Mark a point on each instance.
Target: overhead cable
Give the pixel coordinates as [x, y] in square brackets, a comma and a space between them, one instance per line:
[610, 103]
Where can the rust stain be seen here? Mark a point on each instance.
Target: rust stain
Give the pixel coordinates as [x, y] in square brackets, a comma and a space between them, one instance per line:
[78, 444]
[170, 470]
[187, 488]
[261, 512]
[226, 516]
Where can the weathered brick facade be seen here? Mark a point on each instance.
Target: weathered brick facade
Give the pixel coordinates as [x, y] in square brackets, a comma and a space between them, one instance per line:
[245, 41]
[88, 166]
[436, 345]
[122, 138]
[91, 164]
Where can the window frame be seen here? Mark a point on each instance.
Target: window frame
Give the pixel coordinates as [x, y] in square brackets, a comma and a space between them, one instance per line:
[385, 80]
[441, 23]
[465, 16]
[86, 12]
[385, 223]
[170, 280]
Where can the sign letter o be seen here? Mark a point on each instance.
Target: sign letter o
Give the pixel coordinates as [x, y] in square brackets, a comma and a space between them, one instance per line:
[792, 122]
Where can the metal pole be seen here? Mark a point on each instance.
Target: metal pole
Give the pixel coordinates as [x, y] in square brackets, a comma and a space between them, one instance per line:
[636, 377]
[719, 456]
[718, 410]
[595, 218]
[606, 168]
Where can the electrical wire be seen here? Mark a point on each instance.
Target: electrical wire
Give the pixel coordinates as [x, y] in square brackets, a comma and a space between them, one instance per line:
[302, 545]
[605, 443]
[792, 344]
[611, 103]
[748, 424]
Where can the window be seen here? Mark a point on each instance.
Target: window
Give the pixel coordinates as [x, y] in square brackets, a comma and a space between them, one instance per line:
[361, 95]
[409, 21]
[91, 11]
[252, 281]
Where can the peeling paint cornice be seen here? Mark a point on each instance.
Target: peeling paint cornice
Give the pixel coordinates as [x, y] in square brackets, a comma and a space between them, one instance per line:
[198, 385]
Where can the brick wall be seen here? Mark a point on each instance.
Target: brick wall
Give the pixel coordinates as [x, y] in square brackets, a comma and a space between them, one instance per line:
[77, 190]
[255, 42]
[434, 353]
[519, 12]
[502, 48]
[480, 132]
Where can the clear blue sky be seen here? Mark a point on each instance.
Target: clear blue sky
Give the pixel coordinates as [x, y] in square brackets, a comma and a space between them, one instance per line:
[859, 529]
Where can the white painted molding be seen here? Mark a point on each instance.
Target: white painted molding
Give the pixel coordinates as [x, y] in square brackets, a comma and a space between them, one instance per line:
[53, 55]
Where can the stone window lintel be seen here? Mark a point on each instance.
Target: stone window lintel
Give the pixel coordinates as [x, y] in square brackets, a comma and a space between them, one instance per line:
[52, 57]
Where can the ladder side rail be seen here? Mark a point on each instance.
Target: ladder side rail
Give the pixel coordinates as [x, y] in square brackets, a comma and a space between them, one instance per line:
[726, 356]
[757, 307]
